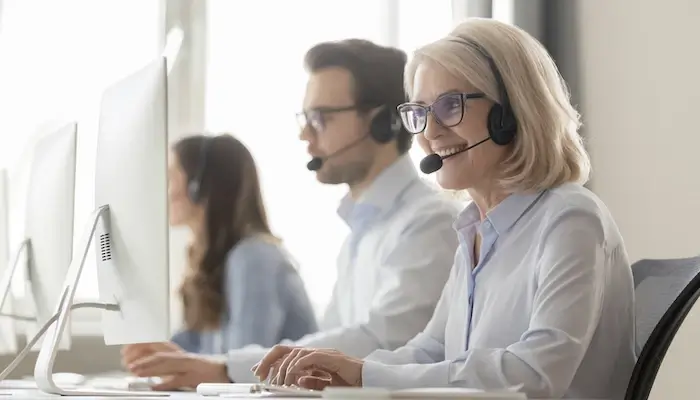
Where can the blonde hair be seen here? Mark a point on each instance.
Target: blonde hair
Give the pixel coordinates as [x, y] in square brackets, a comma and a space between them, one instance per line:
[547, 150]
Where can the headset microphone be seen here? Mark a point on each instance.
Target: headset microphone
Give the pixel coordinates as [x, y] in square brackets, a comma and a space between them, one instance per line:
[317, 162]
[433, 162]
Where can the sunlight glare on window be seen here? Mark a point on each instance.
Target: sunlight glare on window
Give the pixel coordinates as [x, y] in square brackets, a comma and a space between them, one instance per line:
[54, 65]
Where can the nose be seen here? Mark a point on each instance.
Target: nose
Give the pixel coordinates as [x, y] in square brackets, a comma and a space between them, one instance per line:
[306, 133]
[432, 130]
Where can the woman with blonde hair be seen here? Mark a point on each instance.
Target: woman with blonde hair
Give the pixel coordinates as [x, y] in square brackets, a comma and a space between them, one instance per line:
[541, 293]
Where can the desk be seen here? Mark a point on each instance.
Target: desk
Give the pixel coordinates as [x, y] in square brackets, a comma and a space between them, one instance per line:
[33, 394]
[28, 394]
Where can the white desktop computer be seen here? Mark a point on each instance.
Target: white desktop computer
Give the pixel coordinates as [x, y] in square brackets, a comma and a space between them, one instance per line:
[48, 223]
[47, 245]
[8, 334]
[129, 227]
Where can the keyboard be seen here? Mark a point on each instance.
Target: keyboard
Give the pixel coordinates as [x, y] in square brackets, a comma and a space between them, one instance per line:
[130, 383]
[223, 389]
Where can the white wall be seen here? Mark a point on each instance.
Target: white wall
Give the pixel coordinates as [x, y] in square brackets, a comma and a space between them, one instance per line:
[640, 82]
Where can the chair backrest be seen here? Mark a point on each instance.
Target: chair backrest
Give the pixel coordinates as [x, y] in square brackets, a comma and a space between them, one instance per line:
[657, 283]
[655, 346]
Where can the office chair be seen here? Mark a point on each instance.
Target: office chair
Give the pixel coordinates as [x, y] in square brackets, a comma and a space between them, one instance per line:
[655, 348]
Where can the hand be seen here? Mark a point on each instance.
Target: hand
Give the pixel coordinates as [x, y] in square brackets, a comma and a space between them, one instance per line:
[180, 370]
[309, 368]
[134, 352]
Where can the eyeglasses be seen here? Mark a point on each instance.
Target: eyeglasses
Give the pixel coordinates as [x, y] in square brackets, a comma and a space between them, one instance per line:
[316, 118]
[448, 111]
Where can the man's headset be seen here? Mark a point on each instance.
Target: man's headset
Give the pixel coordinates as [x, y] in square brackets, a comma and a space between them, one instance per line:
[385, 127]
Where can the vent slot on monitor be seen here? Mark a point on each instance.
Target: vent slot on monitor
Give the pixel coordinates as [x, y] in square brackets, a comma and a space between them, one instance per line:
[105, 247]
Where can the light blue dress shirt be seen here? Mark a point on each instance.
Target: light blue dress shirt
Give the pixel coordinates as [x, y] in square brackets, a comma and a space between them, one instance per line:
[549, 305]
[391, 268]
[266, 302]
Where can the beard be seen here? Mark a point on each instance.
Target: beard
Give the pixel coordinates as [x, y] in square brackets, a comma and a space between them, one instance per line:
[349, 172]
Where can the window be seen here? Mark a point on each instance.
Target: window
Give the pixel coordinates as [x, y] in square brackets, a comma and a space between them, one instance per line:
[422, 22]
[55, 60]
[255, 57]
[503, 10]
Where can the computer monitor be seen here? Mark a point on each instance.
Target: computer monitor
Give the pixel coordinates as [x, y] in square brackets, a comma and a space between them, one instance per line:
[47, 244]
[130, 226]
[8, 335]
[48, 223]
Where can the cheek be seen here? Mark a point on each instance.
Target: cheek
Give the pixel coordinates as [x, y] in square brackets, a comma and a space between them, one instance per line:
[423, 143]
[178, 200]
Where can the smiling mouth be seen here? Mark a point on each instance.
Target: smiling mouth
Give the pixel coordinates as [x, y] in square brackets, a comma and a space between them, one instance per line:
[448, 151]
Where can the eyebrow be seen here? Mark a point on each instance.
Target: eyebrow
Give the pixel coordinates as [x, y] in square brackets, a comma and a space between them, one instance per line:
[451, 91]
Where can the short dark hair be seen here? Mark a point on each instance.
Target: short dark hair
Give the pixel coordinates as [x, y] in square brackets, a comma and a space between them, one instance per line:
[377, 73]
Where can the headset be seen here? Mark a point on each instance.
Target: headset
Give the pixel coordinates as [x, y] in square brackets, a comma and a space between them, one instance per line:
[194, 186]
[386, 125]
[501, 122]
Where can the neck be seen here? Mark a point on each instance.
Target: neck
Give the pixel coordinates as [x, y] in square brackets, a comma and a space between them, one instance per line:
[381, 162]
[487, 199]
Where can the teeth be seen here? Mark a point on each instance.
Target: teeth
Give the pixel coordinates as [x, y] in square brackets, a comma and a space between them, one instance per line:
[450, 150]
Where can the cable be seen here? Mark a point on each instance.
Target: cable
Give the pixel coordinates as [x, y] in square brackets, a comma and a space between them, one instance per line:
[17, 317]
[23, 354]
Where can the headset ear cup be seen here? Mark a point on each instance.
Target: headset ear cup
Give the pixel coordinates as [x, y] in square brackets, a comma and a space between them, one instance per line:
[382, 127]
[193, 191]
[501, 125]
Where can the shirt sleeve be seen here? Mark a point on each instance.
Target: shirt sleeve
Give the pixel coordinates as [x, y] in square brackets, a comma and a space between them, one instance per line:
[566, 310]
[188, 340]
[255, 312]
[428, 346]
[411, 277]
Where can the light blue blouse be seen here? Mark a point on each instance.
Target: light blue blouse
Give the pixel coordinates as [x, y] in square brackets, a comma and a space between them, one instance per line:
[548, 304]
[266, 302]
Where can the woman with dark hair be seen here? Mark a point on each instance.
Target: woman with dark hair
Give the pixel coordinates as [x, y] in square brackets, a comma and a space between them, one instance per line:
[240, 287]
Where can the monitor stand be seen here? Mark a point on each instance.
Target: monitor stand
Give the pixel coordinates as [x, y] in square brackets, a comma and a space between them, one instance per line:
[43, 369]
[8, 276]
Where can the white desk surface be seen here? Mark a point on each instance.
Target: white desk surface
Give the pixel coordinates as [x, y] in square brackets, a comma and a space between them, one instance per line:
[27, 394]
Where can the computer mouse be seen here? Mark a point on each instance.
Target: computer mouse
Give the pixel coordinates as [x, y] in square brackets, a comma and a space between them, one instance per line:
[68, 378]
[143, 383]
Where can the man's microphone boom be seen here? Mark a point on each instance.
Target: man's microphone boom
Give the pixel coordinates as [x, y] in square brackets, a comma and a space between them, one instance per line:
[317, 162]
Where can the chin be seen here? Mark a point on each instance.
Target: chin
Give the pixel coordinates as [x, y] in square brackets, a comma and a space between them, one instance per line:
[450, 181]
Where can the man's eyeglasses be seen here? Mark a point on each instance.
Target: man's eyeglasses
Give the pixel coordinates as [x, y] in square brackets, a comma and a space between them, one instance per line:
[316, 118]
[448, 111]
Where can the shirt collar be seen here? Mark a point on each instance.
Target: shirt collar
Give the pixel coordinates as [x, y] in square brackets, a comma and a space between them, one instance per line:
[503, 216]
[382, 193]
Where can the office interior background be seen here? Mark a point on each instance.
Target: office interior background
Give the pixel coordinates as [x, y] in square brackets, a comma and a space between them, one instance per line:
[631, 65]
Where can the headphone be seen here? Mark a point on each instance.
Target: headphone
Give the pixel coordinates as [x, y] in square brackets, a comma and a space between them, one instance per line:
[385, 126]
[501, 122]
[194, 186]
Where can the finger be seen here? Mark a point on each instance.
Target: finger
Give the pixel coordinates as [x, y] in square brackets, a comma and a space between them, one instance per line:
[329, 362]
[170, 383]
[321, 374]
[270, 358]
[290, 376]
[284, 364]
[126, 361]
[274, 369]
[168, 346]
[313, 382]
[160, 364]
[132, 353]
